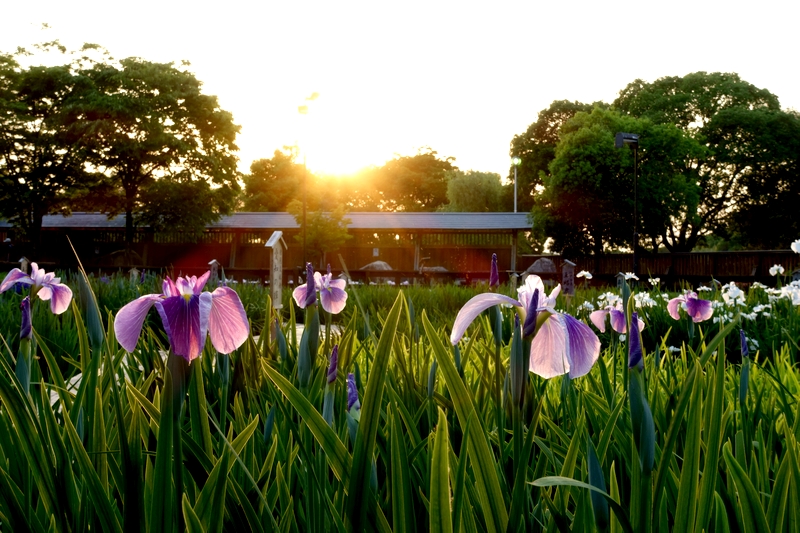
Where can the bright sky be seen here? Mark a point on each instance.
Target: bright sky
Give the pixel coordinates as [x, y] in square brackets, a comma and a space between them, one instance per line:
[459, 77]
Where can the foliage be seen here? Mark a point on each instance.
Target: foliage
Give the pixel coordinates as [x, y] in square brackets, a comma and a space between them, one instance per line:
[474, 192]
[321, 232]
[272, 183]
[413, 183]
[157, 136]
[537, 146]
[42, 152]
[586, 203]
[727, 115]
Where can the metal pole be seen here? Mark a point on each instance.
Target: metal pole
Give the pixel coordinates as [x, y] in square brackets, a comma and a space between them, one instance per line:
[515, 188]
[635, 207]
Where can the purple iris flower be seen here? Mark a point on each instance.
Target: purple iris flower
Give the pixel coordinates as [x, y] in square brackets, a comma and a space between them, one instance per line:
[494, 275]
[561, 344]
[25, 329]
[45, 284]
[618, 322]
[352, 393]
[188, 314]
[331, 291]
[699, 310]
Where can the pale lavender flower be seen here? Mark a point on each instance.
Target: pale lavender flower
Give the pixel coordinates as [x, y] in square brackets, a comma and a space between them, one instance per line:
[561, 344]
[188, 314]
[331, 291]
[45, 284]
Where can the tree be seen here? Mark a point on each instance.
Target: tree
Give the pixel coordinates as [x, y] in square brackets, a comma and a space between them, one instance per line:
[473, 191]
[157, 136]
[324, 232]
[414, 183]
[537, 146]
[703, 105]
[273, 183]
[42, 153]
[586, 201]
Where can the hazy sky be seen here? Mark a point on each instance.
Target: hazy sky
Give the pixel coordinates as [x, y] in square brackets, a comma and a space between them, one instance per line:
[459, 77]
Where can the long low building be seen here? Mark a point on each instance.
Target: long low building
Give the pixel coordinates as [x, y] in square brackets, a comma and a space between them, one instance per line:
[455, 242]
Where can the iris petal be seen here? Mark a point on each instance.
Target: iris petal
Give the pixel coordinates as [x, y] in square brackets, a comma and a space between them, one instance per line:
[60, 299]
[129, 320]
[201, 282]
[186, 321]
[299, 295]
[598, 318]
[583, 346]
[673, 305]
[12, 278]
[473, 308]
[333, 299]
[618, 321]
[227, 323]
[699, 310]
[548, 350]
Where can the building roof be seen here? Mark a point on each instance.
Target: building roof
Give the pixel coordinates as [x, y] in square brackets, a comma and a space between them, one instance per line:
[359, 221]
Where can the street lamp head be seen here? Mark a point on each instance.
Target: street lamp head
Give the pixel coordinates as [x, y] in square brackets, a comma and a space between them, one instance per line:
[516, 161]
[622, 139]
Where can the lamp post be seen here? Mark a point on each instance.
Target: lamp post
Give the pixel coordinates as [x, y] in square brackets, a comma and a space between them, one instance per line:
[303, 110]
[632, 140]
[515, 161]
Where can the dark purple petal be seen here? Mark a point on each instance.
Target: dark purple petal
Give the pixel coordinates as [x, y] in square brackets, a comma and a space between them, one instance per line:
[129, 320]
[25, 328]
[333, 366]
[333, 299]
[635, 345]
[494, 275]
[583, 346]
[227, 322]
[311, 289]
[12, 278]
[548, 349]
[186, 322]
[352, 393]
[618, 323]
[699, 310]
[473, 308]
[529, 327]
[59, 295]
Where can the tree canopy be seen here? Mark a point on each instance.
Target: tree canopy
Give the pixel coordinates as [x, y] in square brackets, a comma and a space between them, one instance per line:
[272, 183]
[473, 191]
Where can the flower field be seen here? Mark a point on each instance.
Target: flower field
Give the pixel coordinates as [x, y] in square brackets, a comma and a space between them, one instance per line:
[438, 409]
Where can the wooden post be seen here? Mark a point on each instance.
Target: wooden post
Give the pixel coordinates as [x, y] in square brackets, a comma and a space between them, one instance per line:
[568, 277]
[24, 263]
[213, 266]
[278, 245]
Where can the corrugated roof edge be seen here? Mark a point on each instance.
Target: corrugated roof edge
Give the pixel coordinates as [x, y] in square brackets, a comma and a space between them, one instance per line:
[359, 220]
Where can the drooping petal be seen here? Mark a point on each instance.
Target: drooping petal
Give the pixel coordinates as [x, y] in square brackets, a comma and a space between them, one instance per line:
[227, 322]
[583, 346]
[129, 320]
[299, 295]
[333, 299]
[186, 322]
[673, 305]
[473, 308]
[698, 309]
[59, 295]
[548, 349]
[12, 278]
[598, 318]
[618, 322]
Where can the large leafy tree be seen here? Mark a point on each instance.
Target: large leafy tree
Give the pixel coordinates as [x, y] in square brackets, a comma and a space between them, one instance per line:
[42, 153]
[167, 149]
[413, 183]
[273, 183]
[536, 148]
[323, 232]
[720, 111]
[473, 191]
[586, 201]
